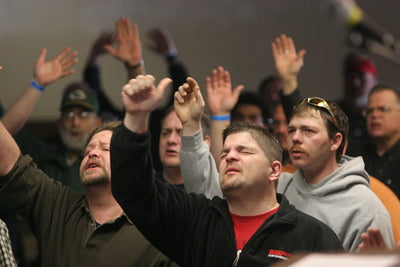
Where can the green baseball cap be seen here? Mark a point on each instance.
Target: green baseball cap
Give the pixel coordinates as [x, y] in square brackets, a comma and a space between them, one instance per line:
[80, 95]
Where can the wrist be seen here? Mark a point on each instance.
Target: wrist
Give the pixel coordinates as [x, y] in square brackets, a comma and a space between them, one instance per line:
[220, 117]
[289, 85]
[190, 128]
[134, 66]
[37, 86]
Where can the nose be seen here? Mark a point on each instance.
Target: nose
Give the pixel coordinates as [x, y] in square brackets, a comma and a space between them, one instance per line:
[174, 138]
[295, 136]
[231, 156]
[75, 120]
[94, 153]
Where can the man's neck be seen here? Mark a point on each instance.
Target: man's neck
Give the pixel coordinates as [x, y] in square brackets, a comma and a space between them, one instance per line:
[172, 175]
[319, 173]
[102, 205]
[251, 204]
[384, 144]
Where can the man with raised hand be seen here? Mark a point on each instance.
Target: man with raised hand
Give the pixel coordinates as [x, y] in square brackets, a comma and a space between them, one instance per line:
[198, 160]
[75, 229]
[253, 226]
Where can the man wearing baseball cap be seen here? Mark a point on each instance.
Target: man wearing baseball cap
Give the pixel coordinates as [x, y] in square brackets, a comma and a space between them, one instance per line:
[59, 158]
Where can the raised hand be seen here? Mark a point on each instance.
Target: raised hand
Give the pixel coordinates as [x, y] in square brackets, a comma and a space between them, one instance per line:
[220, 96]
[47, 72]
[141, 95]
[288, 62]
[163, 43]
[189, 104]
[129, 48]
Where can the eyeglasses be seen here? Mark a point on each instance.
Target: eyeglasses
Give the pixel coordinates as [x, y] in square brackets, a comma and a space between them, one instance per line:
[382, 110]
[321, 103]
[69, 115]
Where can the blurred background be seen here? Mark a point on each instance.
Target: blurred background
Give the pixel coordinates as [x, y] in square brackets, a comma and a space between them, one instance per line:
[208, 33]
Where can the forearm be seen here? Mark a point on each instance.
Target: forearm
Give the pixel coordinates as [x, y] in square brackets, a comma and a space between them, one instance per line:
[20, 110]
[288, 101]
[217, 126]
[147, 202]
[198, 167]
[289, 85]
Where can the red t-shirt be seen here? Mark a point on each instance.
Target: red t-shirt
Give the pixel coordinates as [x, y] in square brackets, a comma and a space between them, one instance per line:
[246, 226]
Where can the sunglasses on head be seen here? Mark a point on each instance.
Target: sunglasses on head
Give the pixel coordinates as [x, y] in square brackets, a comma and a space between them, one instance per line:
[322, 104]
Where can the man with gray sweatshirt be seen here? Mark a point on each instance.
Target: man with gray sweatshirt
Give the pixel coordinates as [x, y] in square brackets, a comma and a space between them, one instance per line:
[331, 187]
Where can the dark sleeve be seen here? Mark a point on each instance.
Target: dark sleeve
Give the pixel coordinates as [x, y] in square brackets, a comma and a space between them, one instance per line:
[288, 101]
[37, 148]
[1, 110]
[91, 76]
[178, 74]
[159, 210]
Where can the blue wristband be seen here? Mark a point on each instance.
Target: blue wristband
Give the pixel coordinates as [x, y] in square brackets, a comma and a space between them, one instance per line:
[221, 117]
[37, 86]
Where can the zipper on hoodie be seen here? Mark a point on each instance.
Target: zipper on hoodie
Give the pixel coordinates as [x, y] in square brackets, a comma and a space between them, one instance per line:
[235, 262]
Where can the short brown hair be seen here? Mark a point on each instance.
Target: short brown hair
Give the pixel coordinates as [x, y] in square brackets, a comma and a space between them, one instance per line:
[381, 87]
[267, 142]
[106, 126]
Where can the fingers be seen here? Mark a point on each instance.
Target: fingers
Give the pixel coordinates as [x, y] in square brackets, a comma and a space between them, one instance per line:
[187, 90]
[69, 61]
[372, 239]
[138, 85]
[283, 45]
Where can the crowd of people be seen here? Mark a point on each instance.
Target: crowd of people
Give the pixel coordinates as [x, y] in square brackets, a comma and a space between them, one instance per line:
[235, 178]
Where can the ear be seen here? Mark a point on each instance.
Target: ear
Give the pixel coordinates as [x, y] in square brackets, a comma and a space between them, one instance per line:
[207, 139]
[276, 168]
[336, 141]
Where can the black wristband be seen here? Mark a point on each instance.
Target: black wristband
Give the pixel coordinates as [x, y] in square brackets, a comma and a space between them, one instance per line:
[132, 67]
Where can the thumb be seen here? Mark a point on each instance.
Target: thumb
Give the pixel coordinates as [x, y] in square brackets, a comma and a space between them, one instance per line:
[236, 92]
[110, 49]
[42, 54]
[301, 54]
[199, 97]
[163, 85]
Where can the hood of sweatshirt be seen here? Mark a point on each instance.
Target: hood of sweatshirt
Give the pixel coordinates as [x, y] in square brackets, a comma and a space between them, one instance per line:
[351, 172]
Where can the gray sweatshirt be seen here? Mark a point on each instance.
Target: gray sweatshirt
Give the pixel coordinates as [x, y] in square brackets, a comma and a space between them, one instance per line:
[342, 200]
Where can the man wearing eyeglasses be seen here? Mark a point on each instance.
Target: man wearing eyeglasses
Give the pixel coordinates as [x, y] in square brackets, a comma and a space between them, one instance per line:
[328, 185]
[60, 157]
[382, 153]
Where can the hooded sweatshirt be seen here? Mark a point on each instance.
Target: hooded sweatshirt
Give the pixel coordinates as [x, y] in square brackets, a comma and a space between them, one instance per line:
[342, 200]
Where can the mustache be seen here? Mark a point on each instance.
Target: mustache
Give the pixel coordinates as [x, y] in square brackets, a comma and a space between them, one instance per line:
[297, 149]
[94, 161]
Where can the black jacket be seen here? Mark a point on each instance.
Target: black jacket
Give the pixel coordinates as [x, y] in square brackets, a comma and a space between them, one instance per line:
[196, 231]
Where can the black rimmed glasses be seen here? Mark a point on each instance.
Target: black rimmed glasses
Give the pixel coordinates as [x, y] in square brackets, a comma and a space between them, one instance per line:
[322, 104]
